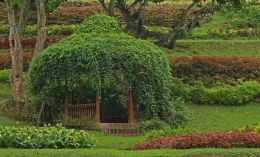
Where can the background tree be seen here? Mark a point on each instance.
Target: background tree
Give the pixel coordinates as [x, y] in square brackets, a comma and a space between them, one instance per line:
[133, 13]
[41, 26]
[16, 50]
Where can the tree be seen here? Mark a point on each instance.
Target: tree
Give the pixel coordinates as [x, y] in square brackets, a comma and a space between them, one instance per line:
[41, 26]
[180, 25]
[110, 8]
[16, 51]
[133, 13]
[184, 24]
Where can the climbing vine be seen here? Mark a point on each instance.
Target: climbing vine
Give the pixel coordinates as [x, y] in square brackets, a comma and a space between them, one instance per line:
[143, 66]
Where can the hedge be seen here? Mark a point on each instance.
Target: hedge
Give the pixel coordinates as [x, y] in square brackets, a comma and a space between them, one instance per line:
[203, 140]
[211, 68]
[28, 42]
[5, 60]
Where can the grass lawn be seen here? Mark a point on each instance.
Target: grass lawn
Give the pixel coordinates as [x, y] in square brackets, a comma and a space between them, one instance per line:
[222, 118]
[216, 48]
[5, 92]
[127, 153]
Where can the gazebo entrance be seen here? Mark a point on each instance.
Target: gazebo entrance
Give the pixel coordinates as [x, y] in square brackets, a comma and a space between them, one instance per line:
[93, 110]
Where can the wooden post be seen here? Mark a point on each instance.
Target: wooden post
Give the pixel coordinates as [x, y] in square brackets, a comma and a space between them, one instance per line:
[131, 114]
[97, 108]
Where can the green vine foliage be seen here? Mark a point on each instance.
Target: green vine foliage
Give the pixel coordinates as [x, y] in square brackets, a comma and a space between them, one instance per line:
[142, 65]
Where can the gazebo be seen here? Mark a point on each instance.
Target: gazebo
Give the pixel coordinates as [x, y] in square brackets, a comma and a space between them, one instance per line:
[140, 65]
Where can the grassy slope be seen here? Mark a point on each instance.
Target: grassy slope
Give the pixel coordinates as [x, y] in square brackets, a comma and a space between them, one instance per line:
[222, 118]
[216, 48]
[5, 92]
[126, 153]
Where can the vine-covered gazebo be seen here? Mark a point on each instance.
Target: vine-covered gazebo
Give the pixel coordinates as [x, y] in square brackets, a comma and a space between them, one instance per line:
[99, 51]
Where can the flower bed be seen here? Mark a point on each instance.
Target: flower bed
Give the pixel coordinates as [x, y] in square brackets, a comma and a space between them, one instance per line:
[203, 140]
[44, 137]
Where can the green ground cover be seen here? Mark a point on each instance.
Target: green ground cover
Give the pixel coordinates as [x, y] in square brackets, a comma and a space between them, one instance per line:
[223, 118]
[127, 153]
[216, 48]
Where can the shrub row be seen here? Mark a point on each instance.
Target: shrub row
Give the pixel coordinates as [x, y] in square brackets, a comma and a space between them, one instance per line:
[44, 137]
[210, 68]
[221, 33]
[220, 94]
[5, 60]
[52, 30]
[29, 42]
[76, 13]
[203, 140]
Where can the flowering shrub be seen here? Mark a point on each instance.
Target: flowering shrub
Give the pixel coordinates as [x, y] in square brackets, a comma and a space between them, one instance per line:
[44, 137]
[29, 42]
[210, 68]
[251, 128]
[5, 60]
[203, 140]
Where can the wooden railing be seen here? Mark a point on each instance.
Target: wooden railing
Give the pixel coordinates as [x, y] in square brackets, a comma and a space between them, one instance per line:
[82, 110]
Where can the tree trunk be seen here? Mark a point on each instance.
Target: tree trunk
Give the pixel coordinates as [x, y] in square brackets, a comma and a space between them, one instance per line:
[41, 26]
[111, 8]
[23, 17]
[180, 26]
[16, 57]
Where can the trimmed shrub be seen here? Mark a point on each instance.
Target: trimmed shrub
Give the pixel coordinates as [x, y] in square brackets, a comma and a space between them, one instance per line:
[100, 23]
[44, 137]
[221, 94]
[210, 69]
[203, 140]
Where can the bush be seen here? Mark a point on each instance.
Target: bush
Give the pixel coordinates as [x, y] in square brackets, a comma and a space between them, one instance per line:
[100, 23]
[153, 124]
[251, 128]
[4, 75]
[210, 69]
[167, 131]
[203, 140]
[221, 94]
[180, 113]
[44, 137]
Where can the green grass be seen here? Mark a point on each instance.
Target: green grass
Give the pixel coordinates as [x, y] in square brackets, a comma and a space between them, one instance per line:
[216, 48]
[223, 118]
[5, 121]
[116, 142]
[127, 153]
[5, 92]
